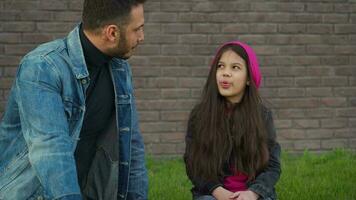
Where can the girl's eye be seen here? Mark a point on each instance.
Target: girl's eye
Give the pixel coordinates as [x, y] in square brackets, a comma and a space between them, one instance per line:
[220, 65]
[236, 67]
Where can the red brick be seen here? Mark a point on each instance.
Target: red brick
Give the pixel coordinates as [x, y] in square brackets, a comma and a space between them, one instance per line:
[67, 16]
[263, 28]
[175, 93]
[10, 71]
[292, 50]
[193, 61]
[175, 6]
[176, 71]
[161, 17]
[290, 6]
[157, 127]
[18, 49]
[148, 93]
[320, 112]
[345, 91]
[75, 5]
[307, 144]
[291, 113]
[320, 71]
[291, 92]
[345, 71]
[206, 28]
[147, 116]
[319, 92]
[333, 101]
[268, 6]
[191, 82]
[344, 133]
[253, 39]
[176, 28]
[346, 112]
[307, 81]
[335, 18]
[268, 92]
[55, 26]
[145, 50]
[210, 6]
[52, 5]
[292, 28]
[345, 28]
[295, 103]
[172, 137]
[151, 6]
[193, 39]
[192, 17]
[280, 124]
[223, 17]
[308, 18]
[306, 123]
[281, 82]
[36, 38]
[319, 7]
[334, 143]
[21, 5]
[235, 28]
[151, 138]
[334, 123]
[319, 133]
[19, 26]
[175, 49]
[174, 115]
[152, 71]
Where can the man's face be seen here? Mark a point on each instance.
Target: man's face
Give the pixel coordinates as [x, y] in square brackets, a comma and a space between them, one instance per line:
[131, 34]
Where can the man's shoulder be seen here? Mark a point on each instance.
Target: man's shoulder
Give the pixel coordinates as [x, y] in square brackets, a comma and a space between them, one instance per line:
[52, 48]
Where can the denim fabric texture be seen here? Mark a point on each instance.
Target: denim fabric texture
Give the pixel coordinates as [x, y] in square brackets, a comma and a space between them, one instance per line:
[44, 115]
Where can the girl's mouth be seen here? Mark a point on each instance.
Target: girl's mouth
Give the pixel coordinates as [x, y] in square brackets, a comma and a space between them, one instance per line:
[225, 84]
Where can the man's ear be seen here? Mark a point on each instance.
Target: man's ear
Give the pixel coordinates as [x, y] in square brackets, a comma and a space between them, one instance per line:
[112, 33]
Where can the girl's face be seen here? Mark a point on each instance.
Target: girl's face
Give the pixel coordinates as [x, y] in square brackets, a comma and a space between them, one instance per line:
[231, 76]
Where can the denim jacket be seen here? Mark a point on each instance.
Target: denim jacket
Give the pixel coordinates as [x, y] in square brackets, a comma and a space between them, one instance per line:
[44, 115]
[264, 183]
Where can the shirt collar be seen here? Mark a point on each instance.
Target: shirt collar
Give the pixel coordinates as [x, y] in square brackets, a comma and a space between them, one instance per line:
[93, 56]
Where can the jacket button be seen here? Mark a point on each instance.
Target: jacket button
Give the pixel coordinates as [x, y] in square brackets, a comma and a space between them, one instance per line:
[39, 198]
[84, 81]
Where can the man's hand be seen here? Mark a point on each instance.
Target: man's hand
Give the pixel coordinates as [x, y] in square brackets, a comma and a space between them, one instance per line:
[221, 193]
[244, 195]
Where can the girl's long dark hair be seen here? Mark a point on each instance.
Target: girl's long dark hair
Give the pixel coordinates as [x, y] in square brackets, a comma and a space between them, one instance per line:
[222, 132]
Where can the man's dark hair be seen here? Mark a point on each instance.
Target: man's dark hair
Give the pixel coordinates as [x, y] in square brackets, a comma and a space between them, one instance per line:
[98, 13]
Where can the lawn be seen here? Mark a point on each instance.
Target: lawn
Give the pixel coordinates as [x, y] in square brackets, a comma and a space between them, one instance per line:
[330, 176]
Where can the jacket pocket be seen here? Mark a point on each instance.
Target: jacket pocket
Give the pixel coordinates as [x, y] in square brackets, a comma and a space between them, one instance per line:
[102, 180]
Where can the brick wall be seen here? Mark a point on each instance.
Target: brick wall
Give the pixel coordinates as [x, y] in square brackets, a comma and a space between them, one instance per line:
[307, 51]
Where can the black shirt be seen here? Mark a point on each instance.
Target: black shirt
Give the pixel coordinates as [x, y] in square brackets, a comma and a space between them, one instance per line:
[100, 106]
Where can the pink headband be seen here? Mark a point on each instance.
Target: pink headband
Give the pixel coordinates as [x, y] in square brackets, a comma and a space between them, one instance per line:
[254, 67]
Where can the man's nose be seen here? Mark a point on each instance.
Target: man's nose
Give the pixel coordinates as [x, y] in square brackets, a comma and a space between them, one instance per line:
[141, 37]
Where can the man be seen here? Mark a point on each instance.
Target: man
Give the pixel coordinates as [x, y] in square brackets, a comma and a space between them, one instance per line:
[70, 130]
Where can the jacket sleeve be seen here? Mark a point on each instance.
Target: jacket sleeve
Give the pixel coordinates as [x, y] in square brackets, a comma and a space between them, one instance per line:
[202, 186]
[45, 128]
[266, 180]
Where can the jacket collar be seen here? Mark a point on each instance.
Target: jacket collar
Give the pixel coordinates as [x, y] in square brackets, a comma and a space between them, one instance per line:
[76, 55]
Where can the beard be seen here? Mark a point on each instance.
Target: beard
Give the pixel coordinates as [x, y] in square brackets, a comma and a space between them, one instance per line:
[123, 50]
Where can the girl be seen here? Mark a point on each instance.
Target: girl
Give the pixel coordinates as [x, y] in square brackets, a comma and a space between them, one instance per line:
[231, 148]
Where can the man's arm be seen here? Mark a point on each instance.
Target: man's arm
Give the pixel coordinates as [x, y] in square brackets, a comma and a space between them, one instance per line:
[45, 128]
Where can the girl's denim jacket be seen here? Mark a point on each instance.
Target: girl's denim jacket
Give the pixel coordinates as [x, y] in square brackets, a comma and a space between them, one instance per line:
[40, 129]
[264, 182]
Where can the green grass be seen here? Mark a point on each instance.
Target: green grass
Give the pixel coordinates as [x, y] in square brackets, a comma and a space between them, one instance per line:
[330, 176]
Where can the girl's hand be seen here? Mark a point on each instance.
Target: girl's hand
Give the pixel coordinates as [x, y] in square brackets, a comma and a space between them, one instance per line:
[244, 195]
[221, 193]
